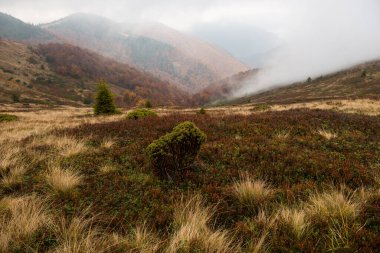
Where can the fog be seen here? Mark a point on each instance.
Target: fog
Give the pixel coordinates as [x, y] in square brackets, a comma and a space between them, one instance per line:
[248, 43]
[322, 37]
[302, 38]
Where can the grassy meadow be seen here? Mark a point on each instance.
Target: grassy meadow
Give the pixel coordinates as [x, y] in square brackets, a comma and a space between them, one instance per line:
[279, 178]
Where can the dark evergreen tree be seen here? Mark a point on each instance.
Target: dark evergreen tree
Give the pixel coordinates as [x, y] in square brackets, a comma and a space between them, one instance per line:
[104, 101]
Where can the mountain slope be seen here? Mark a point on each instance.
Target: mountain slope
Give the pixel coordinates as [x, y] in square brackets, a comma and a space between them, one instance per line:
[25, 76]
[14, 29]
[162, 52]
[76, 62]
[221, 63]
[65, 74]
[223, 90]
[361, 81]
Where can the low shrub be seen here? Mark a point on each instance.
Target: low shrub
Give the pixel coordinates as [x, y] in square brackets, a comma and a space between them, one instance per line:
[140, 113]
[148, 104]
[176, 151]
[15, 97]
[7, 117]
[202, 111]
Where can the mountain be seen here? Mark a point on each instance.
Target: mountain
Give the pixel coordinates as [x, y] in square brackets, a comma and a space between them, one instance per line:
[65, 74]
[166, 53]
[361, 81]
[15, 29]
[220, 62]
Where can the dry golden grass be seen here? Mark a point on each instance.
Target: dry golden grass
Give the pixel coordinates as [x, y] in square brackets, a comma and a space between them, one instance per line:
[333, 205]
[9, 156]
[268, 222]
[327, 134]
[41, 122]
[282, 135]
[66, 146]
[13, 177]
[192, 231]
[62, 180]
[296, 220]
[20, 218]
[107, 143]
[140, 240]
[251, 192]
[105, 169]
[339, 235]
[361, 106]
[77, 236]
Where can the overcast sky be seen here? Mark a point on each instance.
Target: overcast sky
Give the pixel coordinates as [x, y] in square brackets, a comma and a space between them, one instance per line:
[316, 36]
[181, 14]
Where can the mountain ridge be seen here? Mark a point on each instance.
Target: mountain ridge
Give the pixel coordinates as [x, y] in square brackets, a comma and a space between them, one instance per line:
[59, 73]
[163, 52]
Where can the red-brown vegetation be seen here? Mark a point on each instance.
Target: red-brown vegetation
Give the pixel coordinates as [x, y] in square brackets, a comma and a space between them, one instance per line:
[68, 60]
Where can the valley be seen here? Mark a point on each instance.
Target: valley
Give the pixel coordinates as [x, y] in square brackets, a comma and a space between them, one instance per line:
[120, 137]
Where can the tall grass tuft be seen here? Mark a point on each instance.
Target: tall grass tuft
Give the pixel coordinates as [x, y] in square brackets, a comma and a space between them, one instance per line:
[14, 177]
[140, 240]
[192, 231]
[296, 220]
[333, 205]
[20, 219]
[251, 192]
[78, 235]
[327, 134]
[61, 180]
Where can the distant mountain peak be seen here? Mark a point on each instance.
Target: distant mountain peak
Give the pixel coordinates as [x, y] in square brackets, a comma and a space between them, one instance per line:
[184, 60]
[15, 29]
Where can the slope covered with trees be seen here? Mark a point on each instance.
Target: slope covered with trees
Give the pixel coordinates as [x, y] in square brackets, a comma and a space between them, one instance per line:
[68, 60]
[59, 74]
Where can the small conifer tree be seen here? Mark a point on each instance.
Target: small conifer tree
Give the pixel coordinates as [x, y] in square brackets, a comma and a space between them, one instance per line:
[104, 102]
[148, 104]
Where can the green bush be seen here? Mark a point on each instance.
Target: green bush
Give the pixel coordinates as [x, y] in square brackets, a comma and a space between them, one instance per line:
[148, 104]
[140, 113]
[7, 117]
[104, 102]
[15, 97]
[202, 111]
[176, 151]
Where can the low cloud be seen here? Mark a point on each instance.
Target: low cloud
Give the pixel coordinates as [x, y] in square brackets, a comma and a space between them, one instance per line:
[322, 37]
